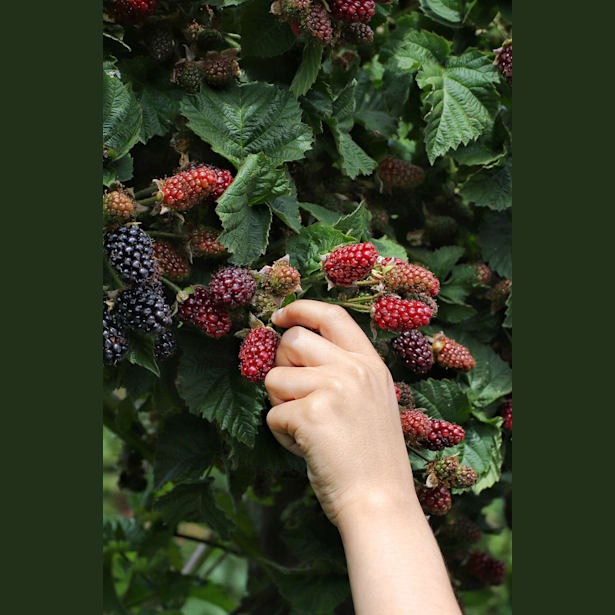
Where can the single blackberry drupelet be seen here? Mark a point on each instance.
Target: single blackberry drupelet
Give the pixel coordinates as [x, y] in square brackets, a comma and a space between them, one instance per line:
[394, 314]
[200, 310]
[414, 350]
[130, 252]
[232, 286]
[435, 500]
[353, 10]
[257, 353]
[165, 345]
[143, 308]
[348, 264]
[171, 263]
[115, 344]
[443, 434]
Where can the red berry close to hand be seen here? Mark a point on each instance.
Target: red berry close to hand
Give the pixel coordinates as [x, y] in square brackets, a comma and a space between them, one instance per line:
[406, 278]
[200, 310]
[257, 353]
[506, 412]
[435, 500]
[348, 264]
[452, 355]
[444, 434]
[394, 314]
[232, 286]
[416, 426]
[405, 397]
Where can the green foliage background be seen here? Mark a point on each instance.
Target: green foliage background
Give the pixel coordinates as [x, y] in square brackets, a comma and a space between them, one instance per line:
[303, 131]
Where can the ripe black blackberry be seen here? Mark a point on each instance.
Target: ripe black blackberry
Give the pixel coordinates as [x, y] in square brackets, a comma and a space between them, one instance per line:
[115, 345]
[130, 252]
[143, 308]
[414, 350]
[232, 286]
[165, 345]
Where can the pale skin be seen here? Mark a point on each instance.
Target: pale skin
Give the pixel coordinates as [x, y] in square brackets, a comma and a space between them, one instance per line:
[334, 404]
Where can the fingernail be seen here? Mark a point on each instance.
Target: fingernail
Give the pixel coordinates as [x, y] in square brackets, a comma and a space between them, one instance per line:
[276, 314]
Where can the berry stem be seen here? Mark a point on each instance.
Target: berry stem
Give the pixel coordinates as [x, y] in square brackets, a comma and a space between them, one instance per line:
[145, 192]
[359, 300]
[176, 289]
[412, 450]
[211, 543]
[366, 283]
[166, 234]
[355, 306]
[232, 42]
[151, 200]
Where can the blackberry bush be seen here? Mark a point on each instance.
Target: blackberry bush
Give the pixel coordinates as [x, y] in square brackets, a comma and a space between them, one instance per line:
[259, 152]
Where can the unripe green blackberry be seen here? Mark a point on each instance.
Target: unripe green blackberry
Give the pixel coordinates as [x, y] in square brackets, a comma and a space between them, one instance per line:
[189, 76]
[465, 476]
[220, 69]
[281, 279]
[160, 45]
[264, 304]
[119, 206]
[443, 471]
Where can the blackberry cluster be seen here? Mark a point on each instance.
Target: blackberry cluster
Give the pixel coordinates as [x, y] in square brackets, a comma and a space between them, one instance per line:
[486, 568]
[130, 252]
[415, 351]
[204, 242]
[200, 310]
[435, 500]
[353, 10]
[165, 345]
[143, 308]
[394, 314]
[232, 286]
[115, 345]
[220, 69]
[443, 434]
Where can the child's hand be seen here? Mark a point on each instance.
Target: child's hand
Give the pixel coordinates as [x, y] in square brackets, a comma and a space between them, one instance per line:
[334, 404]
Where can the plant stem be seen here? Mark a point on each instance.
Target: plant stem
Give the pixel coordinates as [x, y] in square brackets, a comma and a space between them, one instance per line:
[366, 283]
[215, 564]
[166, 234]
[354, 306]
[151, 200]
[211, 543]
[170, 284]
[364, 299]
[418, 454]
[145, 192]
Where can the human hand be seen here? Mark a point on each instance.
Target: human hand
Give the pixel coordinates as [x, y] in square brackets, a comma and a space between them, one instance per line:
[334, 404]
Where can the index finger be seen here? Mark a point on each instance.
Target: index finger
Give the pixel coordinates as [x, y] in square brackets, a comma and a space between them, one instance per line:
[333, 322]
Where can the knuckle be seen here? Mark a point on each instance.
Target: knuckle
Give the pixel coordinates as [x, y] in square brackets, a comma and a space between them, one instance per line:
[337, 312]
[271, 378]
[293, 336]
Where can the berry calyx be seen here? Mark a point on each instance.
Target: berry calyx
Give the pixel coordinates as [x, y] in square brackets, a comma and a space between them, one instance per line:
[165, 346]
[130, 252]
[129, 12]
[115, 344]
[119, 206]
[353, 10]
[503, 61]
[220, 68]
[143, 308]
[506, 412]
[486, 568]
[405, 397]
[232, 286]
[399, 173]
[416, 426]
[415, 351]
[257, 353]
[402, 278]
[444, 434]
[200, 310]
[452, 355]
[171, 263]
[348, 264]
[435, 500]
[394, 314]
[204, 242]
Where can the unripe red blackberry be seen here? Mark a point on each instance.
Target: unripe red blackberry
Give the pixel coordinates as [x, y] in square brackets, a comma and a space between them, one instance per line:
[316, 22]
[130, 252]
[143, 308]
[444, 434]
[281, 279]
[358, 33]
[232, 286]
[189, 75]
[405, 397]
[171, 263]
[187, 188]
[220, 69]
[394, 314]
[160, 45]
[219, 179]
[115, 344]
[461, 529]
[414, 350]
[499, 294]
[465, 476]
[452, 355]
[204, 242]
[257, 353]
[444, 470]
[483, 274]
[119, 206]
[353, 10]
[416, 426]
[435, 500]
[200, 310]
[503, 61]
[403, 278]
[399, 173]
[486, 568]
[165, 345]
[506, 412]
[350, 263]
[132, 11]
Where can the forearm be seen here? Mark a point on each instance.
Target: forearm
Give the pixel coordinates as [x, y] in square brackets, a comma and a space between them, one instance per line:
[394, 562]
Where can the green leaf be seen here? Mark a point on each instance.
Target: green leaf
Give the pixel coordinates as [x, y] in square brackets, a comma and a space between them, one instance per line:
[111, 602]
[160, 109]
[447, 12]
[356, 223]
[322, 214]
[495, 240]
[459, 285]
[122, 117]
[313, 241]
[441, 261]
[194, 502]
[490, 187]
[476, 153]
[455, 313]
[118, 170]
[287, 209]
[307, 72]
[388, 248]
[185, 447]
[443, 399]
[263, 35]
[248, 119]
[141, 352]
[459, 91]
[481, 450]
